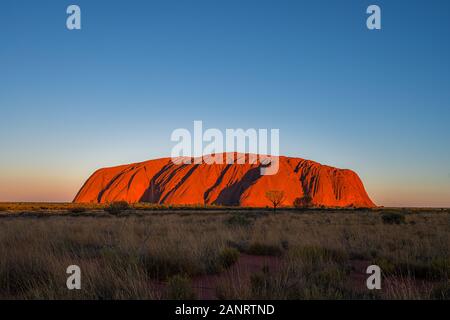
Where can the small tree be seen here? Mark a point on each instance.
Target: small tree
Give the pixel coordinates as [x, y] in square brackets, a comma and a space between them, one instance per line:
[303, 202]
[276, 197]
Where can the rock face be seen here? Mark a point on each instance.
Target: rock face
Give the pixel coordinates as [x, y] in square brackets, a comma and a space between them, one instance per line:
[164, 182]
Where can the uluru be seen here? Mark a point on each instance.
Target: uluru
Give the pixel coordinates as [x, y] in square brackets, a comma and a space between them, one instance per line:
[162, 181]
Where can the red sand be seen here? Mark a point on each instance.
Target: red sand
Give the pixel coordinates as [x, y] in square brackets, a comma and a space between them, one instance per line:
[161, 181]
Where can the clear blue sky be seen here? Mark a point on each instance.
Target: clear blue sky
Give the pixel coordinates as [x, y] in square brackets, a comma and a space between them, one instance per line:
[377, 102]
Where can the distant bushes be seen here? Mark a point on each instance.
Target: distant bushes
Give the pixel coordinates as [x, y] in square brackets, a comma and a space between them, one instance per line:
[303, 202]
[393, 218]
[117, 207]
[78, 210]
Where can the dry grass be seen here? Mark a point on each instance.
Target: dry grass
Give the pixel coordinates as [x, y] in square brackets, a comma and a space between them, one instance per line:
[133, 255]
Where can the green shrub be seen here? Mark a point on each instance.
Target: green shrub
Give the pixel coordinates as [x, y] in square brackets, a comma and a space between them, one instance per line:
[180, 288]
[303, 202]
[393, 218]
[228, 257]
[117, 207]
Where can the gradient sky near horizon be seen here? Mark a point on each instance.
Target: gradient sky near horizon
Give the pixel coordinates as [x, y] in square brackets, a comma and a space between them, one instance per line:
[377, 102]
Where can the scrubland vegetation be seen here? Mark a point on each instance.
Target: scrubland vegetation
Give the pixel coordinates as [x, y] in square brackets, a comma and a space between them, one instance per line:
[143, 252]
